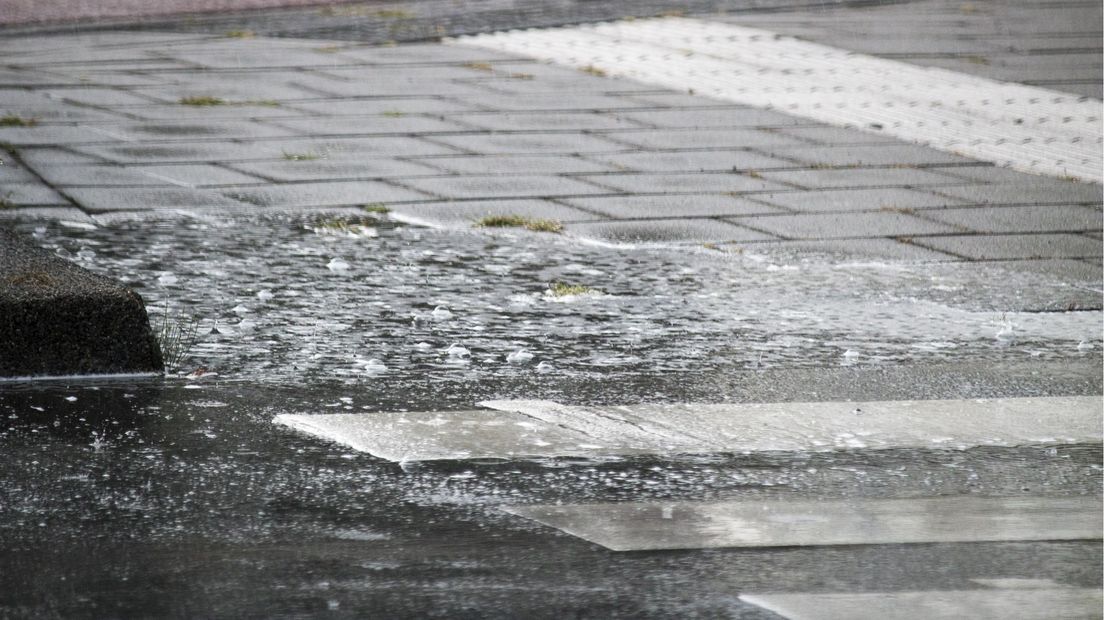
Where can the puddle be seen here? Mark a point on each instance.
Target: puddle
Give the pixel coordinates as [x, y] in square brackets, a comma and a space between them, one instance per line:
[285, 301]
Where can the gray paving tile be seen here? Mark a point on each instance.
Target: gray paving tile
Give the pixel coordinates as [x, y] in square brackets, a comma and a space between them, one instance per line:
[324, 169]
[870, 155]
[97, 175]
[49, 135]
[29, 194]
[1042, 192]
[664, 231]
[335, 194]
[566, 143]
[857, 200]
[392, 106]
[150, 152]
[230, 91]
[167, 131]
[45, 213]
[515, 164]
[1004, 247]
[702, 138]
[466, 214]
[100, 199]
[44, 156]
[844, 225]
[689, 161]
[364, 125]
[393, 83]
[721, 118]
[106, 97]
[678, 101]
[567, 81]
[12, 172]
[1050, 218]
[551, 101]
[339, 149]
[837, 136]
[422, 53]
[197, 175]
[821, 178]
[648, 207]
[1067, 269]
[650, 182]
[872, 248]
[253, 53]
[505, 186]
[996, 174]
[538, 121]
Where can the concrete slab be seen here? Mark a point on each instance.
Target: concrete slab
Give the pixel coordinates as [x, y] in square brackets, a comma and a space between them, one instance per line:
[1026, 219]
[844, 225]
[335, 194]
[688, 182]
[501, 186]
[691, 161]
[859, 177]
[98, 199]
[325, 169]
[887, 249]
[644, 207]
[516, 164]
[790, 523]
[466, 214]
[664, 231]
[534, 143]
[60, 319]
[1006, 247]
[1027, 192]
[844, 199]
[712, 138]
[1023, 604]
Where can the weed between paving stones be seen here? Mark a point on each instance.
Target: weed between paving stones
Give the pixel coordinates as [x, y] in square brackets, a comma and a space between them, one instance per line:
[562, 289]
[14, 120]
[518, 221]
[175, 338]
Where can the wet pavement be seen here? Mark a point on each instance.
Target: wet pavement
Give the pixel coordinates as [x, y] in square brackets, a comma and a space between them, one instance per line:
[312, 213]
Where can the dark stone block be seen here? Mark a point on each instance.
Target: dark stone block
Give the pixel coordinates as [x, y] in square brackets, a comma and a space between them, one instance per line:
[59, 319]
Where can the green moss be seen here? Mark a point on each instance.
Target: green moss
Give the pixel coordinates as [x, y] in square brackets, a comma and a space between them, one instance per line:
[201, 101]
[394, 113]
[264, 103]
[239, 34]
[14, 120]
[376, 207]
[562, 289]
[517, 221]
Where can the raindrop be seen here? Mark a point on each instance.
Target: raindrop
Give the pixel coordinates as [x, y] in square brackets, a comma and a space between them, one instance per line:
[455, 350]
[264, 295]
[337, 265]
[423, 346]
[521, 356]
[1085, 345]
[441, 313]
[851, 354]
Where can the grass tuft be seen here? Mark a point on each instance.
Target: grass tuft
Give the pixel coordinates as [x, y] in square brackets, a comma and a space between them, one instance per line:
[518, 221]
[239, 34]
[202, 101]
[175, 338]
[563, 289]
[394, 113]
[14, 120]
[376, 207]
[595, 71]
[479, 66]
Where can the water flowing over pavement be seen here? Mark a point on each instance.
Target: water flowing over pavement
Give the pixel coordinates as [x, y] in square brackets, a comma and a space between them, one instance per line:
[498, 422]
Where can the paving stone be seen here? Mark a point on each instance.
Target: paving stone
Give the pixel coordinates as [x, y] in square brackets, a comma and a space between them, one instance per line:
[857, 200]
[538, 121]
[1004, 247]
[421, 53]
[197, 175]
[55, 213]
[255, 53]
[552, 101]
[702, 138]
[724, 118]
[871, 155]
[567, 81]
[12, 172]
[50, 135]
[678, 101]
[859, 177]
[394, 105]
[339, 193]
[1027, 193]
[233, 92]
[99, 199]
[844, 225]
[665, 231]
[326, 169]
[106, 97]
[516, 164]
[466, 214]
[373, 85]
[566, 143]
[1051, 218]
[649, 182]
[29, 194]
[168, 131]
[191, 152]
[500, 186]
[38, 157]
[690, 161]
[339, 149]
[365, 125]
[835, 135]
[874, 247]
[1067, 269]
[97, 176]
[648, 207]
[999, 175]
[57, 112]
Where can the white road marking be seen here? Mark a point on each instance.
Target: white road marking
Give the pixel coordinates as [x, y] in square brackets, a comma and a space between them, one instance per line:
[524, 428]
[1031, 604]
[1028, 128]
[785, 523]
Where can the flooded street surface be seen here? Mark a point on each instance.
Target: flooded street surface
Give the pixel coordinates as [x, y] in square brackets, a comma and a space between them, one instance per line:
[181, 498]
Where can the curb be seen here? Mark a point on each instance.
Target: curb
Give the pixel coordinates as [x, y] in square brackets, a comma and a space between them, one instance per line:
[58, 319]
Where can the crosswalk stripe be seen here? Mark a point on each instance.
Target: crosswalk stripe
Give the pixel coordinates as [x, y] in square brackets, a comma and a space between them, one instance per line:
[1028, 128]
